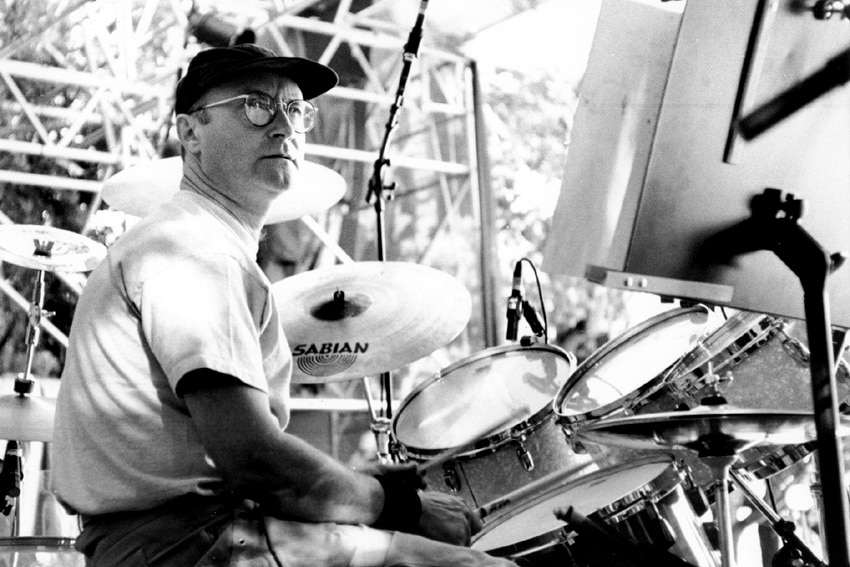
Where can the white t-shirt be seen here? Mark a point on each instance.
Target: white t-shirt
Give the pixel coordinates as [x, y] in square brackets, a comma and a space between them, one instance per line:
[179, 291]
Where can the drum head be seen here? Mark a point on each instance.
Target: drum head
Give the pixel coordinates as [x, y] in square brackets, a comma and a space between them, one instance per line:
[535, 516]
[496, 390]
[629, 364]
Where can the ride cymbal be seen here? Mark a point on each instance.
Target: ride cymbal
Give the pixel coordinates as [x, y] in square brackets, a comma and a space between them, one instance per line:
[49, 248]
[365, 318]
[721, 430]
[26, 418]
[140, 189]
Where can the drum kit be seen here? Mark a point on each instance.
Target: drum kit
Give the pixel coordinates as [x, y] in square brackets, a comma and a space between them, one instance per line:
[636, 441]
[627, 458]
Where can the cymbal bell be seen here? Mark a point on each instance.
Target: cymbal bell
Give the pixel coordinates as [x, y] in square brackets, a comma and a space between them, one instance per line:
[721, 430]
[48, 248]
[354, 320]
[140, 189]
[26, 418]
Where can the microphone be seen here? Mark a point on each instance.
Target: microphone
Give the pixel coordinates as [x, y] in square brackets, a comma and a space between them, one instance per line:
[10, 475]
[514, 313]
[533, 318]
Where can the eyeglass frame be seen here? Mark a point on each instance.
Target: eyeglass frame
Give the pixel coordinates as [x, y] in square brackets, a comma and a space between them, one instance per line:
[278, 106]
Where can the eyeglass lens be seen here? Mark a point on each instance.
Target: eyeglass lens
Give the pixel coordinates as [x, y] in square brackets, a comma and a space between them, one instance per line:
[261, 111]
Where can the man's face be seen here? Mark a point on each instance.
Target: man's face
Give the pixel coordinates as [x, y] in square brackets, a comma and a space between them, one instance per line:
[243, 160]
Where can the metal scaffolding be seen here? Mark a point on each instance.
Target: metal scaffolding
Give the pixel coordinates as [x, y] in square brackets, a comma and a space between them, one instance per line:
[122, 59]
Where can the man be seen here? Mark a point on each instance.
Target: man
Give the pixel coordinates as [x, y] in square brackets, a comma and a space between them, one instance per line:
[169, 436]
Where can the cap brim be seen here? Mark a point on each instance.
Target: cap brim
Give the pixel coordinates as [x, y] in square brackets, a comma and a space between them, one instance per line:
[312, 78]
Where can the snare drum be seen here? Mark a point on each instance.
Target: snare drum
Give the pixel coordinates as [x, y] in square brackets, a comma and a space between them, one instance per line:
[499, 403]
[762, 363]
[644, 501]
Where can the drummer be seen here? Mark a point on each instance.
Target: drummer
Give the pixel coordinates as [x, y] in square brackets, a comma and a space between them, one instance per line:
[170, 434]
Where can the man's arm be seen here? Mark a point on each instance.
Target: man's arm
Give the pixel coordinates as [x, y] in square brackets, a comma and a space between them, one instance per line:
[288, 476]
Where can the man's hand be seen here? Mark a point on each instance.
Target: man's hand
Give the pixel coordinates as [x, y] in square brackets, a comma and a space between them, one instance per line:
[405, 474]
[448, 519]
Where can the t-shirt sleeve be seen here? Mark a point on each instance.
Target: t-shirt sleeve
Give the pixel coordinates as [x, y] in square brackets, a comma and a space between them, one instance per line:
[205, 313]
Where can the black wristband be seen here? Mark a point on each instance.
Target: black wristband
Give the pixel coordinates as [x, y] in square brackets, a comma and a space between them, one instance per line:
[402, 507]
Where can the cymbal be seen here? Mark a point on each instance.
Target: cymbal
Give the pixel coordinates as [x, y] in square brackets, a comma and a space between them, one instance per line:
[49, 248]
[26, 418]
[138, 190]
[709, 430]
[353, 320]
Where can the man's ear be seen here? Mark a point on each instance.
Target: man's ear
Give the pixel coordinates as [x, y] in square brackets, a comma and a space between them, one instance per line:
[188, 132]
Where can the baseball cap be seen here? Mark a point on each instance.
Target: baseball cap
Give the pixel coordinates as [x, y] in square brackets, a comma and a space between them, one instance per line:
[218, 65]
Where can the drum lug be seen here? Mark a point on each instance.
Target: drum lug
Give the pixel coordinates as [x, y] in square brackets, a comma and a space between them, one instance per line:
[698, 500]
[577, 446]
[399, 450]
[525, 458]
[450, 478]
[665, 536]
[796, 350]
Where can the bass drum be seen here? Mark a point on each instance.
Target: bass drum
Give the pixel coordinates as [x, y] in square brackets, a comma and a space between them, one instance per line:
[643, 501]
[40, 532]
[499, 404]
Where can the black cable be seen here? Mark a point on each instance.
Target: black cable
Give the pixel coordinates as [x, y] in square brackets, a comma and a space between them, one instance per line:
[268, 539]
[540, 296]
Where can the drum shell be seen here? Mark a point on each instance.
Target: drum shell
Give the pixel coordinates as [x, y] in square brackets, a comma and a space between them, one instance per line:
[762, 362]
[658, 506]
[487, 474]
[498, 418]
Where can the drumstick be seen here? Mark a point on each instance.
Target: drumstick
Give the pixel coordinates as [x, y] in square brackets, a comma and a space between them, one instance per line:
[449, 454]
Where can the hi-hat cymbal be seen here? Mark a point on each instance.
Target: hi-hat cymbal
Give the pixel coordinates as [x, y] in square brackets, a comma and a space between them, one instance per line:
[365, 318]
[709, 430]
[49, 248]
[140, 189]
[26, 418]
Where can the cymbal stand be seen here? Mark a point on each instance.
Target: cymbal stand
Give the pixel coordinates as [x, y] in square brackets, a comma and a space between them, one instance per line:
[783, 528]
[381, 192]
[11, 473]
[720, 465]
[380, 426]
[24, 383]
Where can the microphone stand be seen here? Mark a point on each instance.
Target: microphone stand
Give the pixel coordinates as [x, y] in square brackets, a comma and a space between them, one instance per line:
[773, 225]
[380, 192]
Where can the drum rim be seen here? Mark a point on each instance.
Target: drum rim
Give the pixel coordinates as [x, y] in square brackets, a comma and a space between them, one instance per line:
[496, 440]
[33, 541]
[508, 511]
[604, 351]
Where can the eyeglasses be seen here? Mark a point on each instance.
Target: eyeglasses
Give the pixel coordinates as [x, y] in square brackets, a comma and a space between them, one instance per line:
[261, 109]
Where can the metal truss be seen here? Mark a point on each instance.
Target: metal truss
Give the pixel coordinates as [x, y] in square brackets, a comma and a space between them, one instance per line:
[123, 58]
